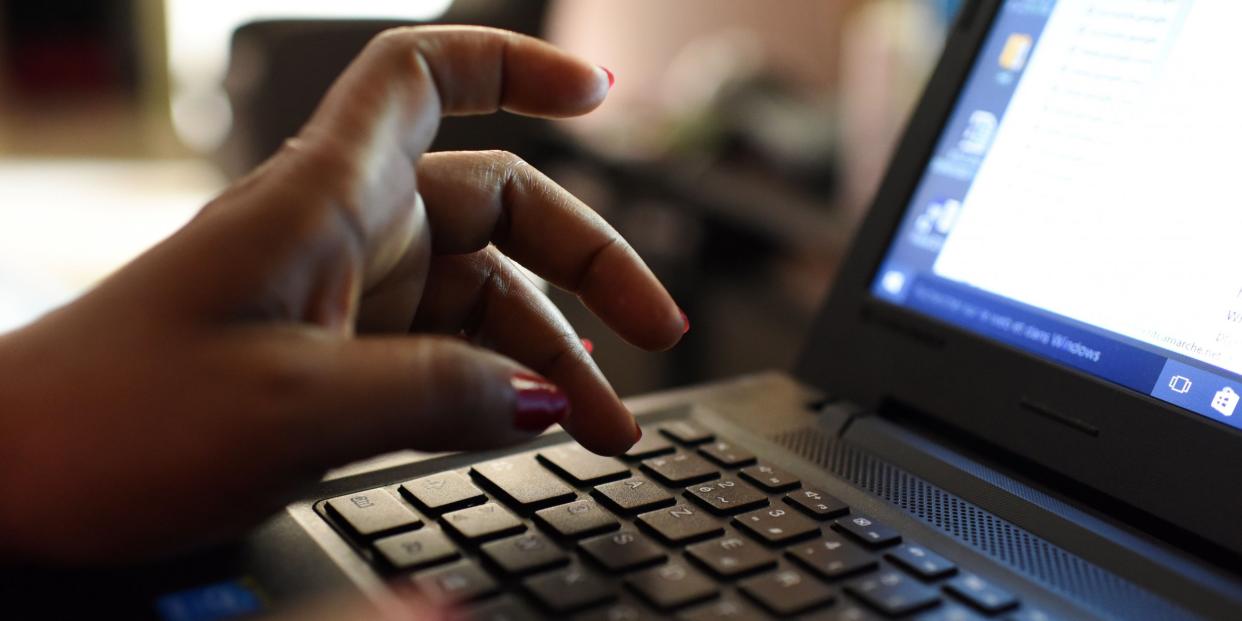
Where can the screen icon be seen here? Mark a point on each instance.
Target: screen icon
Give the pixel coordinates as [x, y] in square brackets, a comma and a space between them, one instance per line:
[893, 282]
[1017, 50]
[977, 137]
[939, 217]
[1180, 384]
[1225, 401]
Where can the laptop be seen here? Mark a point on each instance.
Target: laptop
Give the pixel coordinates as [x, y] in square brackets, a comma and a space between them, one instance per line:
[1020, 402]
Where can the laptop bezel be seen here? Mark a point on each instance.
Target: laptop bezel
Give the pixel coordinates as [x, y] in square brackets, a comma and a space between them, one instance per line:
[1141, 452]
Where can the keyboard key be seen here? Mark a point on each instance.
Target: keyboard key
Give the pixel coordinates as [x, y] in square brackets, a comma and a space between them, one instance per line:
[727, 496]
[731, 556]
[817, 504]
[729, 608]
[770, 478]
[672, 586]
[623, 551]
[981, 594]
[777, 525]
[633, 495]
[950, 612]
[680, 469]
[524, 554]
[787, 592]
[522, 483]
[373, 512]
[686, 432]
[579, 518]
[681, 524]
[570, 589]
[893, 592]
[462, 581]
[503, 609]
[868, 530]
[833, 557]
[727, 454]
[489, 521]
[650, 445]
[582, 466]
[440, 493]
[923, 562]
[415, 550]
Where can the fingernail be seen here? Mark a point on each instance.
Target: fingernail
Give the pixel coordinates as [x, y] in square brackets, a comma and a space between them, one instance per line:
[685, 321]
[612, 79]
[539, 404]
[588, 346]
[638, 432]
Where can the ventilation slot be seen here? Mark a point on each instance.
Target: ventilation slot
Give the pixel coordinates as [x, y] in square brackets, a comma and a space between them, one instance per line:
[1105, 593]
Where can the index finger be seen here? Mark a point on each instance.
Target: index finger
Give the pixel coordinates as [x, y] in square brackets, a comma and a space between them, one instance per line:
[362, 143]
[407, 78]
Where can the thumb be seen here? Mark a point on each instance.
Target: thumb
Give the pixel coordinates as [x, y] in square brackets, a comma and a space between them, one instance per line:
[369, 395]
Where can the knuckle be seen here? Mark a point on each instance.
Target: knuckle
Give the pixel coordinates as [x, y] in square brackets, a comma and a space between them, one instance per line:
[398, 50]
[328, 179]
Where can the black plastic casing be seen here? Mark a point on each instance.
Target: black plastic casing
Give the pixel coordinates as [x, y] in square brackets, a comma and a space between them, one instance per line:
[1165, 464]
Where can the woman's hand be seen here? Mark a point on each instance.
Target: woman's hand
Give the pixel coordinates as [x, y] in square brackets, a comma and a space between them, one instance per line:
[311, 315]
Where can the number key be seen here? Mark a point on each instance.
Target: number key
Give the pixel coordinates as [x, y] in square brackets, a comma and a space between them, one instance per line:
[777, 525]
[649, 445]
[868, 530]
[686, 432]
[680, 469]
[727, 496]
[770, 478]
[727, 454]
[817, 504]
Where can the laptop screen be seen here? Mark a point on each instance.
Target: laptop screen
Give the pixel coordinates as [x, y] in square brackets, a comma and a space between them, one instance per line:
[1083, 203]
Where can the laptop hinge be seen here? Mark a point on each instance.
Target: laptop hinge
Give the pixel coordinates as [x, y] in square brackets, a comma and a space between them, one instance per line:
[837, 416]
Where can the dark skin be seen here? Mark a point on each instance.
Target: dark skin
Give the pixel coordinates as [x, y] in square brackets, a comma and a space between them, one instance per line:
[311, 316]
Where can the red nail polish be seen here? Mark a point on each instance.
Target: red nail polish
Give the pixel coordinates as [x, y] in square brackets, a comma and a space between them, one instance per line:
[588, 346]
[685, 321]
[612, 79]
[538, 403]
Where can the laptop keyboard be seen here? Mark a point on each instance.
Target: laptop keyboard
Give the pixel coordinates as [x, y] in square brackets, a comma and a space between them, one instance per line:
[685, 525]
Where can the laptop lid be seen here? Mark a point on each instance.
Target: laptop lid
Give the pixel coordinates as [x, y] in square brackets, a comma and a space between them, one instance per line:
[1053, 264]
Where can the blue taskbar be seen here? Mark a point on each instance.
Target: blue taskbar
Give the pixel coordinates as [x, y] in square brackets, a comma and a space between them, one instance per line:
[1213, 393]
[1030, 225]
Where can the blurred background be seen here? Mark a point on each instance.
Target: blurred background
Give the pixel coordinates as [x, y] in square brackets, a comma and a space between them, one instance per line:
[737, 151]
